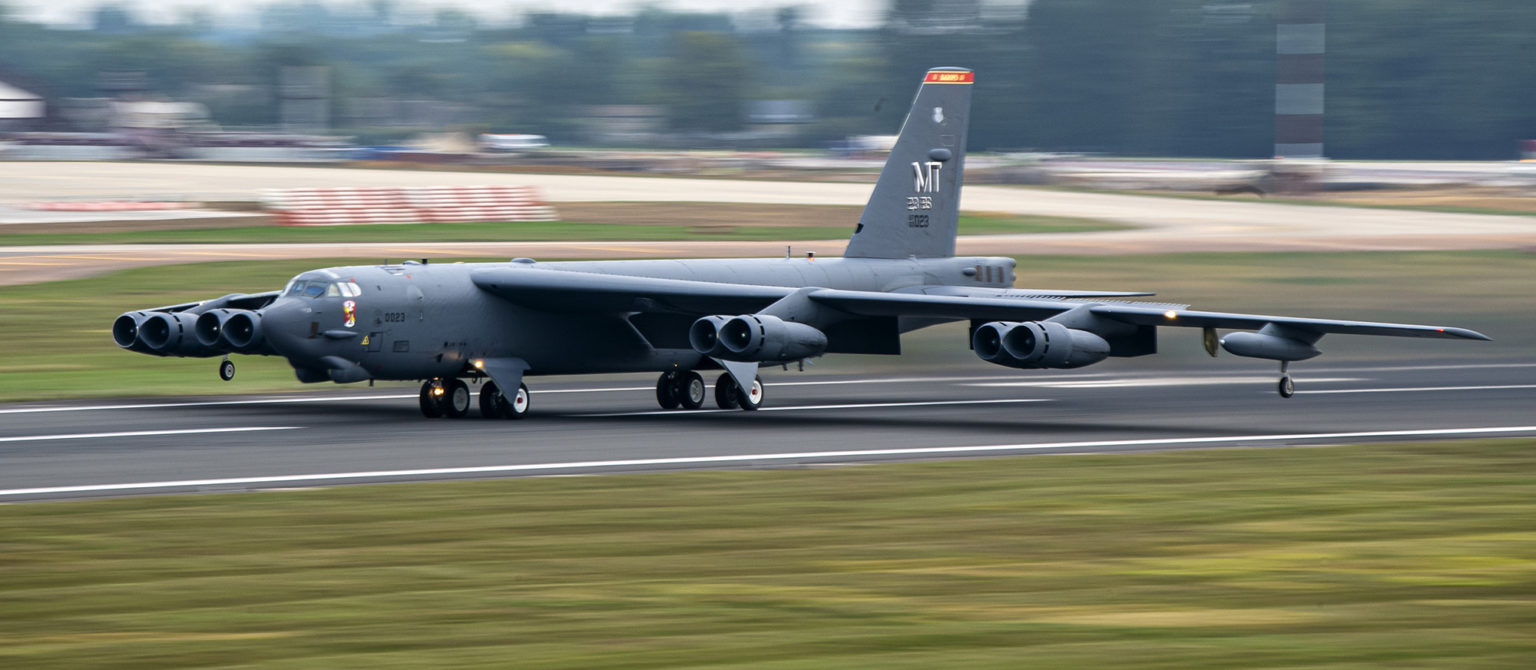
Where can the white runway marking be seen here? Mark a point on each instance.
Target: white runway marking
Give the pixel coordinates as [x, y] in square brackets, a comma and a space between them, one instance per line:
[142, 433]
[205, 403]
[793, 408]
[768, 458]
[1142, 382]
[1420, 389]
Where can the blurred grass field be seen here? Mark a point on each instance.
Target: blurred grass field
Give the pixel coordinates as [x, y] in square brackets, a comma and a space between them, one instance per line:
[1407, 556]
[58, 343]
[615, 227]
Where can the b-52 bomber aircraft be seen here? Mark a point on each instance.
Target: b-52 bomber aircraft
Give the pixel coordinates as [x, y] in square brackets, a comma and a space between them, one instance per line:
[501, 322]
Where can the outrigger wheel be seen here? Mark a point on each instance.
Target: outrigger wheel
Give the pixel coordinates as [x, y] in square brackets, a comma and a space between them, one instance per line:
[1287, 385]
[226, 369]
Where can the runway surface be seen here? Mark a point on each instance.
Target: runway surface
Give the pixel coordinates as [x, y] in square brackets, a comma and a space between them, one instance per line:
[351, 434]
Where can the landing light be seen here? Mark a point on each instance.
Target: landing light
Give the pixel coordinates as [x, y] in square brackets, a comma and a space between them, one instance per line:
[479, 364]
[1171, 314]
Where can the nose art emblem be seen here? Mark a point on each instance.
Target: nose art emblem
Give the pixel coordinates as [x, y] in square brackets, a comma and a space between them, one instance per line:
[349, 308]
[938, 115]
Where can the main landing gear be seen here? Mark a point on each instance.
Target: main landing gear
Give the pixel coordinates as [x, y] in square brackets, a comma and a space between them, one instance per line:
[686, 389]
[451, 398]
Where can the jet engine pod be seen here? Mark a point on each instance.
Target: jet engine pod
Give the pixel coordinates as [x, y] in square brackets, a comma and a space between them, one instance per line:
[1267, 345]
[242, 331]
[170, 334]
[762, 338]
[210, 327]
[1037, 344]
[704, 336]
[125, 331]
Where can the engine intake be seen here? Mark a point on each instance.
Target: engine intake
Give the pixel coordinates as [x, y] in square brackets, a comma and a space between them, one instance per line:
[125, 331]
[757, 338]
[1037, 344]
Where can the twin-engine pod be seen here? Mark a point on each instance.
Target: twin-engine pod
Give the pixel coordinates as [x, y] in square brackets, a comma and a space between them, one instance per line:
[230, 330]
[160, 333]
[1037, 344]
[756, 338]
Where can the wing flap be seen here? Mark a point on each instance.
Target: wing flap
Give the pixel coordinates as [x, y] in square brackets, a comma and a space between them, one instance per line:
[1144, 316]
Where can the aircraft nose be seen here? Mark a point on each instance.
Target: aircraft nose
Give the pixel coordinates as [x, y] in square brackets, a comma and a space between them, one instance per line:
[287, 324]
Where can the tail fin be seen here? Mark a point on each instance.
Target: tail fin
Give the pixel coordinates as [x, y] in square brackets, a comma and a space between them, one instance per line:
[915, 208]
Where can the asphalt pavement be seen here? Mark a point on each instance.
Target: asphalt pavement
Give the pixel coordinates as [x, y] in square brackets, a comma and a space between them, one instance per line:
[337, 435]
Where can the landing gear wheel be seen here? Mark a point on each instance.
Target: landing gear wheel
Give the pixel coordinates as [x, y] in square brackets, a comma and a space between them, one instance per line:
[751, 398]
[666, 391]
[727, 394]
[517, 406]
[455, 398]
[226, 369]
[431, 407]
[691, 390]
[1287, 387]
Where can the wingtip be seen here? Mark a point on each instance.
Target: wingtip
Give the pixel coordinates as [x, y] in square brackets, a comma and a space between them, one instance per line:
[1466, 334]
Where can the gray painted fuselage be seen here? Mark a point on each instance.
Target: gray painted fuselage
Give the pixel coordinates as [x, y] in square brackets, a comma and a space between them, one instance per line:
[423, 321]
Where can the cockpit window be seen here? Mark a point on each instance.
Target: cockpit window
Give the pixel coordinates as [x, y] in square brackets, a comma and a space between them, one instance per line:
[315, 288]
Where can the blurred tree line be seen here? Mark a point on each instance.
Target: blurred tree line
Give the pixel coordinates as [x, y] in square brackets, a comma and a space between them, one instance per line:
[1405, 78]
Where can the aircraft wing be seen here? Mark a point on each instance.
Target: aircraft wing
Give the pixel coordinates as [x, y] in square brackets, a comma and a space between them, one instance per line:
[232, 301]
[1011, 309]
[568, 291]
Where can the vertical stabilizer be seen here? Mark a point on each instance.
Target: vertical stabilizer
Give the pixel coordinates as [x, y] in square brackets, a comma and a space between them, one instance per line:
[914, 210]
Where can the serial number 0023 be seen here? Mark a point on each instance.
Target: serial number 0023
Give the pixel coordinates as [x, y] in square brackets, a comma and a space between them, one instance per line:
[396, 317]
[917, 220]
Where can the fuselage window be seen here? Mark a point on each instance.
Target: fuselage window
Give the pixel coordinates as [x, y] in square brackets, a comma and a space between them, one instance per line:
[331, 290]
[314, 289]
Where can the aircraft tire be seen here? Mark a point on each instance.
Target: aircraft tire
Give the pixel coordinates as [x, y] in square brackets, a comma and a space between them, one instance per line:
[1287, 386]
[726, 393]
[430, 407]
[691, 390]
[751, 399]
[666, 391]
[517, 406]
[226, 369]
[455, 398]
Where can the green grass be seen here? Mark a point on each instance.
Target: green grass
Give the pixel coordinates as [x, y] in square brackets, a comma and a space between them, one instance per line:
[538, 231]
[58, 344]
[1412, 556]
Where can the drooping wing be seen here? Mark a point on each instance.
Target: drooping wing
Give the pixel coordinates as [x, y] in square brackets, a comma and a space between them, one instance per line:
[568, 291]
[1012, 309]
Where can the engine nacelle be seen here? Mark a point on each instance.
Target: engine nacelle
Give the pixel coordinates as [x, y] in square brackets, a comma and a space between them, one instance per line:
[230, 330]
[125, 331]
[165, 334]
[704, 336]
[759, 338]
[1265, 345]
[1037, 344]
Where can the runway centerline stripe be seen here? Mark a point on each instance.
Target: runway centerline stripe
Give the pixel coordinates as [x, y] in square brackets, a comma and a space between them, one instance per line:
[769, 457]
[202, 403]
[1422, 389]
[792, 408]
[142, 433]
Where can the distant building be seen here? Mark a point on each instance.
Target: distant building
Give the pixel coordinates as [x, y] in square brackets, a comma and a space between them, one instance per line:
[19, 109]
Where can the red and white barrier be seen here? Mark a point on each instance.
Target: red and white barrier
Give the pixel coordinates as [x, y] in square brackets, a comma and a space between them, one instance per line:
[421, 204]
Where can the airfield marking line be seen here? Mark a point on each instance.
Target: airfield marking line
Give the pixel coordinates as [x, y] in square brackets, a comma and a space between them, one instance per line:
[142, 433]
[1413, 368]
[1417, 389]
[1140, 382]
[754, 458]
[209, 403]
[792, 408]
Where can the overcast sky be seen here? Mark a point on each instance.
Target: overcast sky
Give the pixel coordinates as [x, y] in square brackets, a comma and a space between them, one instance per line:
[839, 13]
